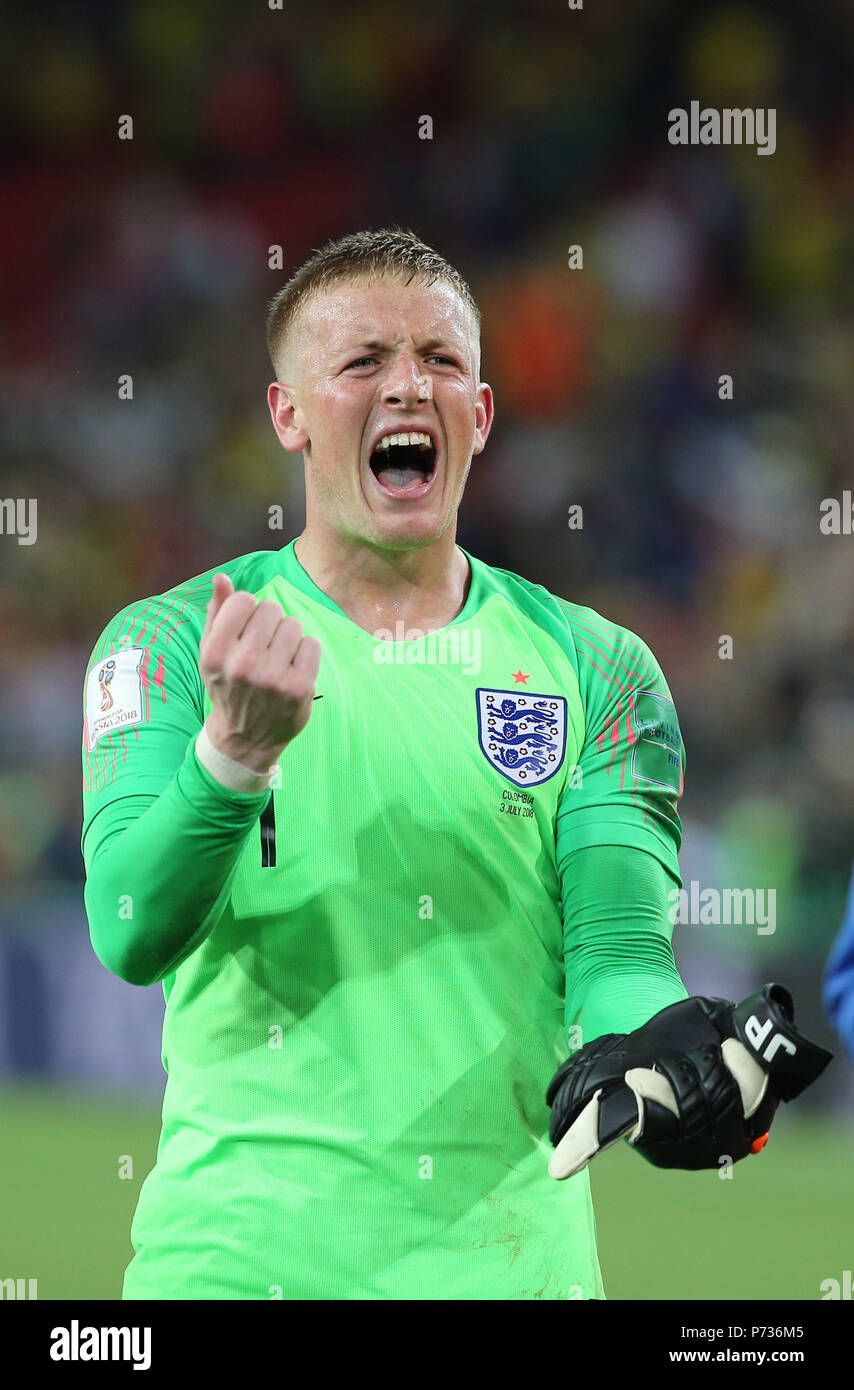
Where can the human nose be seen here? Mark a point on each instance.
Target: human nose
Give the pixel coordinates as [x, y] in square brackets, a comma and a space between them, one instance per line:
[407, 384]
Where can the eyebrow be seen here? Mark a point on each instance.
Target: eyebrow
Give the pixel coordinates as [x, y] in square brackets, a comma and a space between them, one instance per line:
[378, 345]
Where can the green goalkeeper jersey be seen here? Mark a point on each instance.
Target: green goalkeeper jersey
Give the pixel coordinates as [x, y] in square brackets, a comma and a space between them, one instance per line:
[375, 985]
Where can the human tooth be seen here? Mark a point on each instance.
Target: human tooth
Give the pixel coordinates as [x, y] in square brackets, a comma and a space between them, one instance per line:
[414, 437]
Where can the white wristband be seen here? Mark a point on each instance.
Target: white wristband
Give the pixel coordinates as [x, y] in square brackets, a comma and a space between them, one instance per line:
[236, 776]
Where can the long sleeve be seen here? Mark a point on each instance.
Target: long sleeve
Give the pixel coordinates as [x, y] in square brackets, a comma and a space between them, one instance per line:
[618, 956]
[161, 837]
[160, 870]
[618, 836]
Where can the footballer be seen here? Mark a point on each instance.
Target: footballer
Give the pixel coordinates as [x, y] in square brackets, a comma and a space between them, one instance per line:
[410, 916]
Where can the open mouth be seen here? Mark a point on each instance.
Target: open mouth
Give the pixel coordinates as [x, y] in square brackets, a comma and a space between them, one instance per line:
[404, 462]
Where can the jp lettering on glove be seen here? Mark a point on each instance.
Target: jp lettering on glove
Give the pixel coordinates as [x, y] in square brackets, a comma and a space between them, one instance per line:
[701, 1080]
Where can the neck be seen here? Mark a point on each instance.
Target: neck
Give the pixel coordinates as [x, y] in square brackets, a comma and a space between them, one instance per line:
[423, 588]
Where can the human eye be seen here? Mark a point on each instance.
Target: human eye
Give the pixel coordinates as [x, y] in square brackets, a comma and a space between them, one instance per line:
[361, 360]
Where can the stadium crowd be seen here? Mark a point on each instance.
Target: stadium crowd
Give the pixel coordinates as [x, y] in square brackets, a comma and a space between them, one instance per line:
[151, 258]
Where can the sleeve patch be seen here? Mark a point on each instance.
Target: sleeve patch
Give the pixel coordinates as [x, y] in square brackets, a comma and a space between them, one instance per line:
[657, 753]
[114, 694]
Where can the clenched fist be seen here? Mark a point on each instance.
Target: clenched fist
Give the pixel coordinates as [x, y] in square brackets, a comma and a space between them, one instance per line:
[259, 671]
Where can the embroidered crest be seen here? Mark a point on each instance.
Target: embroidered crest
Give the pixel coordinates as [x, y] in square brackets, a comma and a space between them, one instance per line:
[523, 736]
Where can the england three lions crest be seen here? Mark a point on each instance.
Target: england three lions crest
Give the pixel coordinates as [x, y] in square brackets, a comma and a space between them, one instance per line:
[523, 736]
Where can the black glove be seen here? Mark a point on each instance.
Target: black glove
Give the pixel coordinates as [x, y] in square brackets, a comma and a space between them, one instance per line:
[701, 1080]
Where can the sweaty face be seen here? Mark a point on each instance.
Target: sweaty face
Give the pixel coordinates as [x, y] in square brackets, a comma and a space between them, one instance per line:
[383, 378]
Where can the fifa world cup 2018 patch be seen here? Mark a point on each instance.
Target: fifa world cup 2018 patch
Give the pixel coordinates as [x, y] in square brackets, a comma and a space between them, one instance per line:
[114, 694]
[522, 736]
[657, 751]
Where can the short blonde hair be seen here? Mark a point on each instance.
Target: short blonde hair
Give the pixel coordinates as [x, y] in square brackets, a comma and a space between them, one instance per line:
[389, 251]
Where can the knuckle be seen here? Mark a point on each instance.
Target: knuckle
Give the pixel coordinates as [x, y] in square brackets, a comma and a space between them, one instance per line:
[270, 608]
[210, 654]
[240, 669]
[241, 601]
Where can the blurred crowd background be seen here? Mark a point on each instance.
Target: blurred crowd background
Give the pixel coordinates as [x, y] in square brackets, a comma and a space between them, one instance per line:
[255, 127]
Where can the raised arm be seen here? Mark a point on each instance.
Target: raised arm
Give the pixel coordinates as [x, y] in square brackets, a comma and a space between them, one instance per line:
[170, 796]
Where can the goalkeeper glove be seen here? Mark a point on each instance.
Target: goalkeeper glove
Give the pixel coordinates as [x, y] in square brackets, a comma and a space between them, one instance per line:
[698, 1083]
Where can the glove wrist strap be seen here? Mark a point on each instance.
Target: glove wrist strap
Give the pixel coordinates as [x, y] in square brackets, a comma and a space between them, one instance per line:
[764, 1023]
